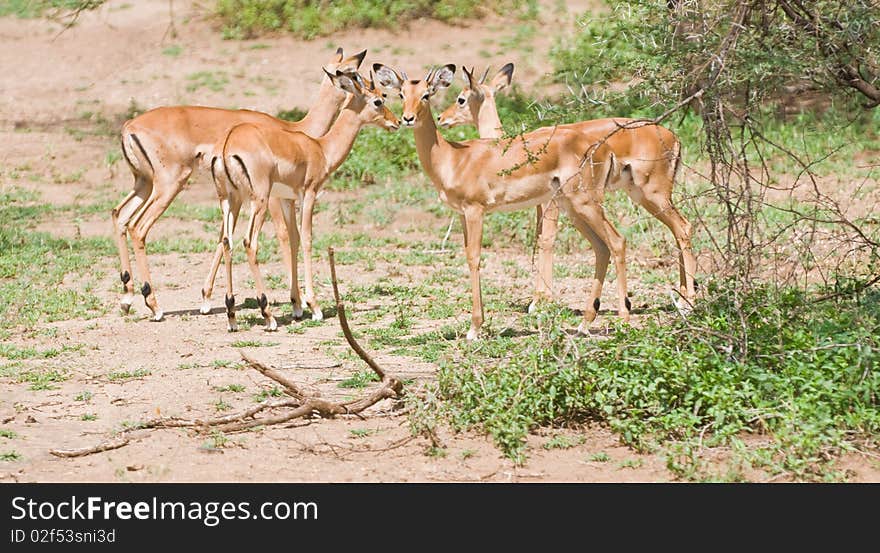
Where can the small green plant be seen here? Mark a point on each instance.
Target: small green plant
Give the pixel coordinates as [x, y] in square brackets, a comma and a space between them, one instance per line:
[9, 434]
[467, 454]
[10, 456]
[436, 452]
[562, 441]
[235, 388]
[89, 417]
[119, 376]
[85, 395]
[361, 432]
[600, 457]
[630, 464]
[221, 405]
[218, 440]
[274, 391]
[252, 344]
[360, 379]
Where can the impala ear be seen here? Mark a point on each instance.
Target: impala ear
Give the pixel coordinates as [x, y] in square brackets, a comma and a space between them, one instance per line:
[351, 64]
[338, 56]
[345, 81]
[387, 77]
[440, 78]
[503, 78]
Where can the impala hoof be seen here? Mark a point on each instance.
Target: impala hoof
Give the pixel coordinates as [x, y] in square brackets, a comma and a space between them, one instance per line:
[533, 307]
[158, 316]
[297, 313]
[232, 326]
[125, 307]
[317, 314]
[205, 308]
[271, 325]
[584, 329]
[683, 306]
[473, 334]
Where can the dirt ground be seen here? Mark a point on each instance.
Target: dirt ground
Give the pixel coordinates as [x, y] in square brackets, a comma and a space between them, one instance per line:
[118, 56]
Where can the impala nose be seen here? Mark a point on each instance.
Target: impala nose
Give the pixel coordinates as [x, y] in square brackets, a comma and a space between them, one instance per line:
[409, 119]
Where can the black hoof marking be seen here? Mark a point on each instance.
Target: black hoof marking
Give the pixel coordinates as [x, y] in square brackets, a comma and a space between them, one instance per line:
[596, 304]
[124, 277]
[146, 290]
[696, 285]
[263, 302]
[627, 303]
[226, 242]
[230, 304]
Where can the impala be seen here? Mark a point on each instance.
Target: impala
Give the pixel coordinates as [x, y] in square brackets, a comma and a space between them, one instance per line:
[254, 157]
[651, 152]
[480, 176]
[165, 145]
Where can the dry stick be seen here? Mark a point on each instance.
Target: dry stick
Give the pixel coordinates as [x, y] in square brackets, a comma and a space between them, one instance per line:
[303, 404]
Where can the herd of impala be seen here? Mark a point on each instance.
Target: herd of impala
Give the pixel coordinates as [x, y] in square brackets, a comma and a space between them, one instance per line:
[272, 165]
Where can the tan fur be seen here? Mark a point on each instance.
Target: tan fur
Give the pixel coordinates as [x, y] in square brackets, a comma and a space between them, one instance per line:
[165, 145]
[480, 176]
[256, 158]
[649, 152]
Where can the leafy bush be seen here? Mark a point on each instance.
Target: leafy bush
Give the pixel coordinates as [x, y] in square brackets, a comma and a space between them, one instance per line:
[804, 374]
[308, 19]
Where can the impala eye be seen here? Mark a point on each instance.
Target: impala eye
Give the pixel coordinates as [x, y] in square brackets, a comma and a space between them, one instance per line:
[400, 94]
[377, 102]
[461, 100]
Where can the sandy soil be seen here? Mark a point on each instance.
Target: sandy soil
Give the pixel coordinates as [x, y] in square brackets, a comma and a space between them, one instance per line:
[114, 58]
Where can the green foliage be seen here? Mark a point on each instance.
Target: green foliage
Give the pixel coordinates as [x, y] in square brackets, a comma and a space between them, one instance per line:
[803, 373]
[308, 19]
[37, 8]
[360, 379]
[35, 264]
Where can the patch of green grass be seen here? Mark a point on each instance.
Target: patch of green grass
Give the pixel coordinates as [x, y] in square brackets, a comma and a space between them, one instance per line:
[360, 379]
[248, 18]
[85, 395]
[361, 432]
[8, 434]
[221, 405]
[274, 391]
[563, 442]
[212, 80]
[127, 375]
[600, 457]
[172, 51]
[252, 344]
[10, 456]
[89, 417]
[235, 388]
[11, 351]
[41, 379]
[803, 378]
[630, 464]
[35, 264]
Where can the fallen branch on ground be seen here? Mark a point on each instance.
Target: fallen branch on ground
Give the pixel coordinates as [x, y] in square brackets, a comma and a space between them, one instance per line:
[303, 404]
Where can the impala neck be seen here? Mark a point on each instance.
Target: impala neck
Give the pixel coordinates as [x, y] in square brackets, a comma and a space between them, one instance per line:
[338, 141]
[320, 115]
[430, 145]
[488, 122]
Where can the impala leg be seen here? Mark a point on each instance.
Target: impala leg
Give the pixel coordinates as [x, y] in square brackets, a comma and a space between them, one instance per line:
[230, 208]
[208, 286]
[288, 208]
[121, 216]
[229, 217]
[473, 217]
[592, 214]
[251, 244]
[279, 221]
[548, 225]
[308, 209]
[464, 230]
[603, 257]
[663, 209]
[154, 207]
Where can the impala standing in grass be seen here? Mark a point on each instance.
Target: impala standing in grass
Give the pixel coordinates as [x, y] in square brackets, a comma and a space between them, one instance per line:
[480, 176]
[651, 153]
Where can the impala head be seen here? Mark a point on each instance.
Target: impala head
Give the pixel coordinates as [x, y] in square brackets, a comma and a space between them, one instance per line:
[366, 99]
[416, 94]
[467, 105]
[345, 65]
